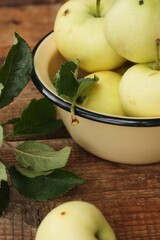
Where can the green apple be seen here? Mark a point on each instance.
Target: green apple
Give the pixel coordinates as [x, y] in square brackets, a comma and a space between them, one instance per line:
[104, 96]
[79, 34]
[75, 220]
[131, 28]
[140, 91]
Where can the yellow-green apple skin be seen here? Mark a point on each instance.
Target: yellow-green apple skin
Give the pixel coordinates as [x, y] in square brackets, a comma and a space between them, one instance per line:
[75, 220]
[131, 28]
[79, 35]
[140, 91]
[104, 97]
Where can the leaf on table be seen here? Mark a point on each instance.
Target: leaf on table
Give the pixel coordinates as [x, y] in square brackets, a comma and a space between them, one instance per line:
[3, 173]
[1, 87]
[38, 118]
[31, 173]
[1, 135]
[41, 157]
[43, 188]
[4, 196]
[10, 121]
[16, 70]
[4, 189]
[70, 88]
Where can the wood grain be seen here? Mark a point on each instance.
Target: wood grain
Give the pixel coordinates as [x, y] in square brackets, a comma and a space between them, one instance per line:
[32, 23]
[25, 2]
[129, 196]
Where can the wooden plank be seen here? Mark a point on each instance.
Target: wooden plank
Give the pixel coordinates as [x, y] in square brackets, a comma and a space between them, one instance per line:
[127, 195]
[32, 23]
[25, 2]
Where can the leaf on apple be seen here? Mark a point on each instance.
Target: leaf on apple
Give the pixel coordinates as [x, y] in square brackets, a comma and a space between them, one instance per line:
[70, 87]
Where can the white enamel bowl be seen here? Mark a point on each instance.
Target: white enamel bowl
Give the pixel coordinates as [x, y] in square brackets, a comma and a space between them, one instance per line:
[114, 138]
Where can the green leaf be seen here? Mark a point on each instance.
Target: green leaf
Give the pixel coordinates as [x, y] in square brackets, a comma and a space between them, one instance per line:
[10, 121]
[66, 80]
[43, 188]
[41, 157]
[4, 189]
[85, 84]
[38, 118]
[3, 173]
[4, 196]
[1, 135]
[1, 87]
[31, 174]
[69, 87]
[15, 73]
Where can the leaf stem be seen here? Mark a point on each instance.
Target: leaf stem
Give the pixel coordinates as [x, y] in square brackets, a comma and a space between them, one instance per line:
[157, 54]
[73, 115]
[98, 8]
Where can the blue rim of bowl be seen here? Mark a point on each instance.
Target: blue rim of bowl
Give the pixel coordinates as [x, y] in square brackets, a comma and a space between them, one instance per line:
[98, 117]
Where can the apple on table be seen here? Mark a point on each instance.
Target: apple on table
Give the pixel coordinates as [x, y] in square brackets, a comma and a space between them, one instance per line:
[75, 220]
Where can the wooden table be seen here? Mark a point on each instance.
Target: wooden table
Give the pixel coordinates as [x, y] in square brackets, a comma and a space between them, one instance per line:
[129, 196]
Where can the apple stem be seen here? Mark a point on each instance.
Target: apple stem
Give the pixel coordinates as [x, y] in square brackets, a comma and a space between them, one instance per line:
[157, 57]
[98, 8]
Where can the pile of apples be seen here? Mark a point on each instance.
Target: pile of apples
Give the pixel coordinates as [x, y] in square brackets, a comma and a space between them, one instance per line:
[106, 35]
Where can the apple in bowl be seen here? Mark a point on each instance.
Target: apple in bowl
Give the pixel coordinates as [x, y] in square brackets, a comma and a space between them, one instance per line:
[104, 96]
[140, 91]
[121, 139]
[131, 28]
[79, 35]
